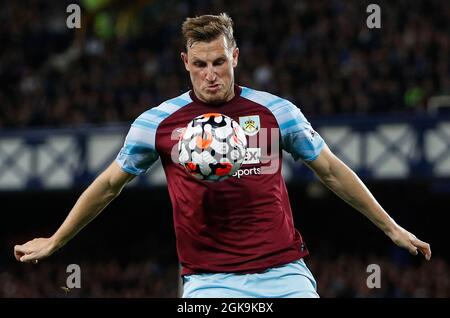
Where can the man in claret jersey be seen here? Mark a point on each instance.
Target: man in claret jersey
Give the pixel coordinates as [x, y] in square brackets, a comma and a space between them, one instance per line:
[235, 238]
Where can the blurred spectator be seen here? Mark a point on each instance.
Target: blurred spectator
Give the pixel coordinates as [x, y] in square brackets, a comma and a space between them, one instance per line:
[342, 277]
[100, 279]
[346, 277]
[319, 54]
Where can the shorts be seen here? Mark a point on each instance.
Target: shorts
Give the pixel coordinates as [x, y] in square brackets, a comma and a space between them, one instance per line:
[293, 280]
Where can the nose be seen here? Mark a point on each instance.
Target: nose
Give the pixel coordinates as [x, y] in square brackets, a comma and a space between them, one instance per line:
[210, 74]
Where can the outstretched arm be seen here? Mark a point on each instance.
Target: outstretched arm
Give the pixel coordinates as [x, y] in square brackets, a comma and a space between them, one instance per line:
[345, 183]
[94, 199]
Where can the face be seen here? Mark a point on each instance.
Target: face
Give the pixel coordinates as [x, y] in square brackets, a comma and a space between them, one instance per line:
[211, 67]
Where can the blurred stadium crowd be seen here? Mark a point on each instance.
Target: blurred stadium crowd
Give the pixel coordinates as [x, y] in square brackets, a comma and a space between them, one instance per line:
[125, 58]
[319, 54]
[344, 277]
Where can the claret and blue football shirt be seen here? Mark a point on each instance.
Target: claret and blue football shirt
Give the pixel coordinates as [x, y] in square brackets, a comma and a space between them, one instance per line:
[244, 223]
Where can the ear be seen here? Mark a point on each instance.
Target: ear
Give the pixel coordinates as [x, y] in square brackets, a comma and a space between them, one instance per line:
[235, 56]
[184, 58]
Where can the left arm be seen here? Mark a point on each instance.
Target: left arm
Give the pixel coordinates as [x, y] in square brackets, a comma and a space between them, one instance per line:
[345, 183]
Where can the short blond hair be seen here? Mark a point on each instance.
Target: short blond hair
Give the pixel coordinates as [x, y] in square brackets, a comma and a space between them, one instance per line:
[207, 28]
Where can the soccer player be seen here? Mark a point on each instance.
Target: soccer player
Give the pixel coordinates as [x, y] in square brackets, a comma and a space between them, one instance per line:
[235, 238]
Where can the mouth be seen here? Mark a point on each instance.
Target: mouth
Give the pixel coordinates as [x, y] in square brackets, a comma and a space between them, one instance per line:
[213, 88]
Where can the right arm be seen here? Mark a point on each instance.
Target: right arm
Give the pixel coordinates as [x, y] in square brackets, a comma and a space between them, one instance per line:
[105, 188]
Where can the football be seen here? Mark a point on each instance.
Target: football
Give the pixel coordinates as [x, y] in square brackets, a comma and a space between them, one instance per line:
[212, 147]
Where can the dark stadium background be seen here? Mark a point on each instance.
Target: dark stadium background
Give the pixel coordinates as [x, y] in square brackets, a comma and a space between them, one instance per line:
[319, 54]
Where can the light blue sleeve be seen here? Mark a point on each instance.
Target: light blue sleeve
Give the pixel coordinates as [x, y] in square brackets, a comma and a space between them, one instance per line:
[139, 152]
[298, 136]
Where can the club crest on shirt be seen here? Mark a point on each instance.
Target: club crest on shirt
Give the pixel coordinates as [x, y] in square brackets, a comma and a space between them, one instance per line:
[250, 124]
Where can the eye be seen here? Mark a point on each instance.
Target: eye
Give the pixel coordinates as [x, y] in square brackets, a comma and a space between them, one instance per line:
[219, 62]
[199, 64]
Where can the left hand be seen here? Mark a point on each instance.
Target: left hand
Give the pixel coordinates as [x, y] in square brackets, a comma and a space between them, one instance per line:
[34, 250]
[409, 241]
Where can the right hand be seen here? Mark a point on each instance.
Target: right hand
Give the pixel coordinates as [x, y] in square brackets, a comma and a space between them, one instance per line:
[34, 250]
